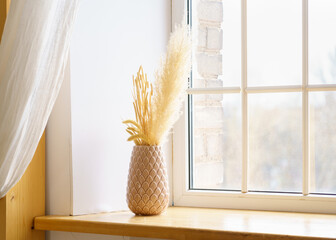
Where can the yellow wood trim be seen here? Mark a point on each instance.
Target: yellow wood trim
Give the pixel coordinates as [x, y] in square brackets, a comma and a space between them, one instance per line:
[3, 14]
[199, 223]
[8, 4]
[3, 213]
[3, 218]
[26, 199]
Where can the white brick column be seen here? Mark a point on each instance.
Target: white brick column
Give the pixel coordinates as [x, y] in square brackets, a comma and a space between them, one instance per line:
[209, 115]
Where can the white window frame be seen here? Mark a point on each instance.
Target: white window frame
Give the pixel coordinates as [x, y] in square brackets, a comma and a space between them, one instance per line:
[304, 202]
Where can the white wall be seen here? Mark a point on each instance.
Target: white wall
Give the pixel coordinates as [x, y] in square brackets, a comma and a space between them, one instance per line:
[58, 153]
[111, 39]
[87, 152]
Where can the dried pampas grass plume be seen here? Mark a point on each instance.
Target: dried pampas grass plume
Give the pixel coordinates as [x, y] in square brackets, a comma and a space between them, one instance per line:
[156, 115]
[171, 83]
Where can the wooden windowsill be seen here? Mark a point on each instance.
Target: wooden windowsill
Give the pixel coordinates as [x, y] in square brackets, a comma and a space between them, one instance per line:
[199, 223]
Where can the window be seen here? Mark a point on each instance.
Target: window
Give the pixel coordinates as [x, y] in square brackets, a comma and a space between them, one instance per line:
[259, 127]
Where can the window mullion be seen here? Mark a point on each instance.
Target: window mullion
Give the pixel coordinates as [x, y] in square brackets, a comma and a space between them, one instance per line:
[305, 109]
[244, 97]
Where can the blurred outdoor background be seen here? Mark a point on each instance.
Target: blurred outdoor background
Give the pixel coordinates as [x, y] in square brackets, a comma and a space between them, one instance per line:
[274, 58]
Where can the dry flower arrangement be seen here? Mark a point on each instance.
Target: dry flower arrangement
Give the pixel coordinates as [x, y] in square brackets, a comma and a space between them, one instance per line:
[157, 109]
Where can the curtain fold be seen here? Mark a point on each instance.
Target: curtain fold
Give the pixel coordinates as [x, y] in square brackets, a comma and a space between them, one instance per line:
[33, 53]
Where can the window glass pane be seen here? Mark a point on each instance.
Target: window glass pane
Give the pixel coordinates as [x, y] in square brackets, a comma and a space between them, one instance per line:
[231, 52]
[322, 41]
[274, 42]
[217, 141]
[275, 142]
[323, 141]
[216, 27]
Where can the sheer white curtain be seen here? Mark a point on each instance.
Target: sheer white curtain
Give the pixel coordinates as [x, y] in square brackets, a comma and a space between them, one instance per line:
[33, 54]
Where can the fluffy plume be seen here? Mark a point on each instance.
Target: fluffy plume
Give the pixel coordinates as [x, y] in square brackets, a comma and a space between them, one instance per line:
[153, 124]
[170, 85]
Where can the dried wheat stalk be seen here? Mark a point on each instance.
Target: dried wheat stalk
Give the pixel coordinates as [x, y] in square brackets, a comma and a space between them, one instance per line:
[142, 97]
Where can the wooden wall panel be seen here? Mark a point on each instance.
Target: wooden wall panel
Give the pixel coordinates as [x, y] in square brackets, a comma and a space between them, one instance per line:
[3, 214]
[3, 14]
[3, 218]
[26, 199]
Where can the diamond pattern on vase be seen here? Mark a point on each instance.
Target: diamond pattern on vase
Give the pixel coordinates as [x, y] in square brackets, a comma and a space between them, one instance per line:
[147, 187]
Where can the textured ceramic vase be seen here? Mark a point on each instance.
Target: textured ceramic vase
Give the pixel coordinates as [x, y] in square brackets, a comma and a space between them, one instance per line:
[147, 187]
